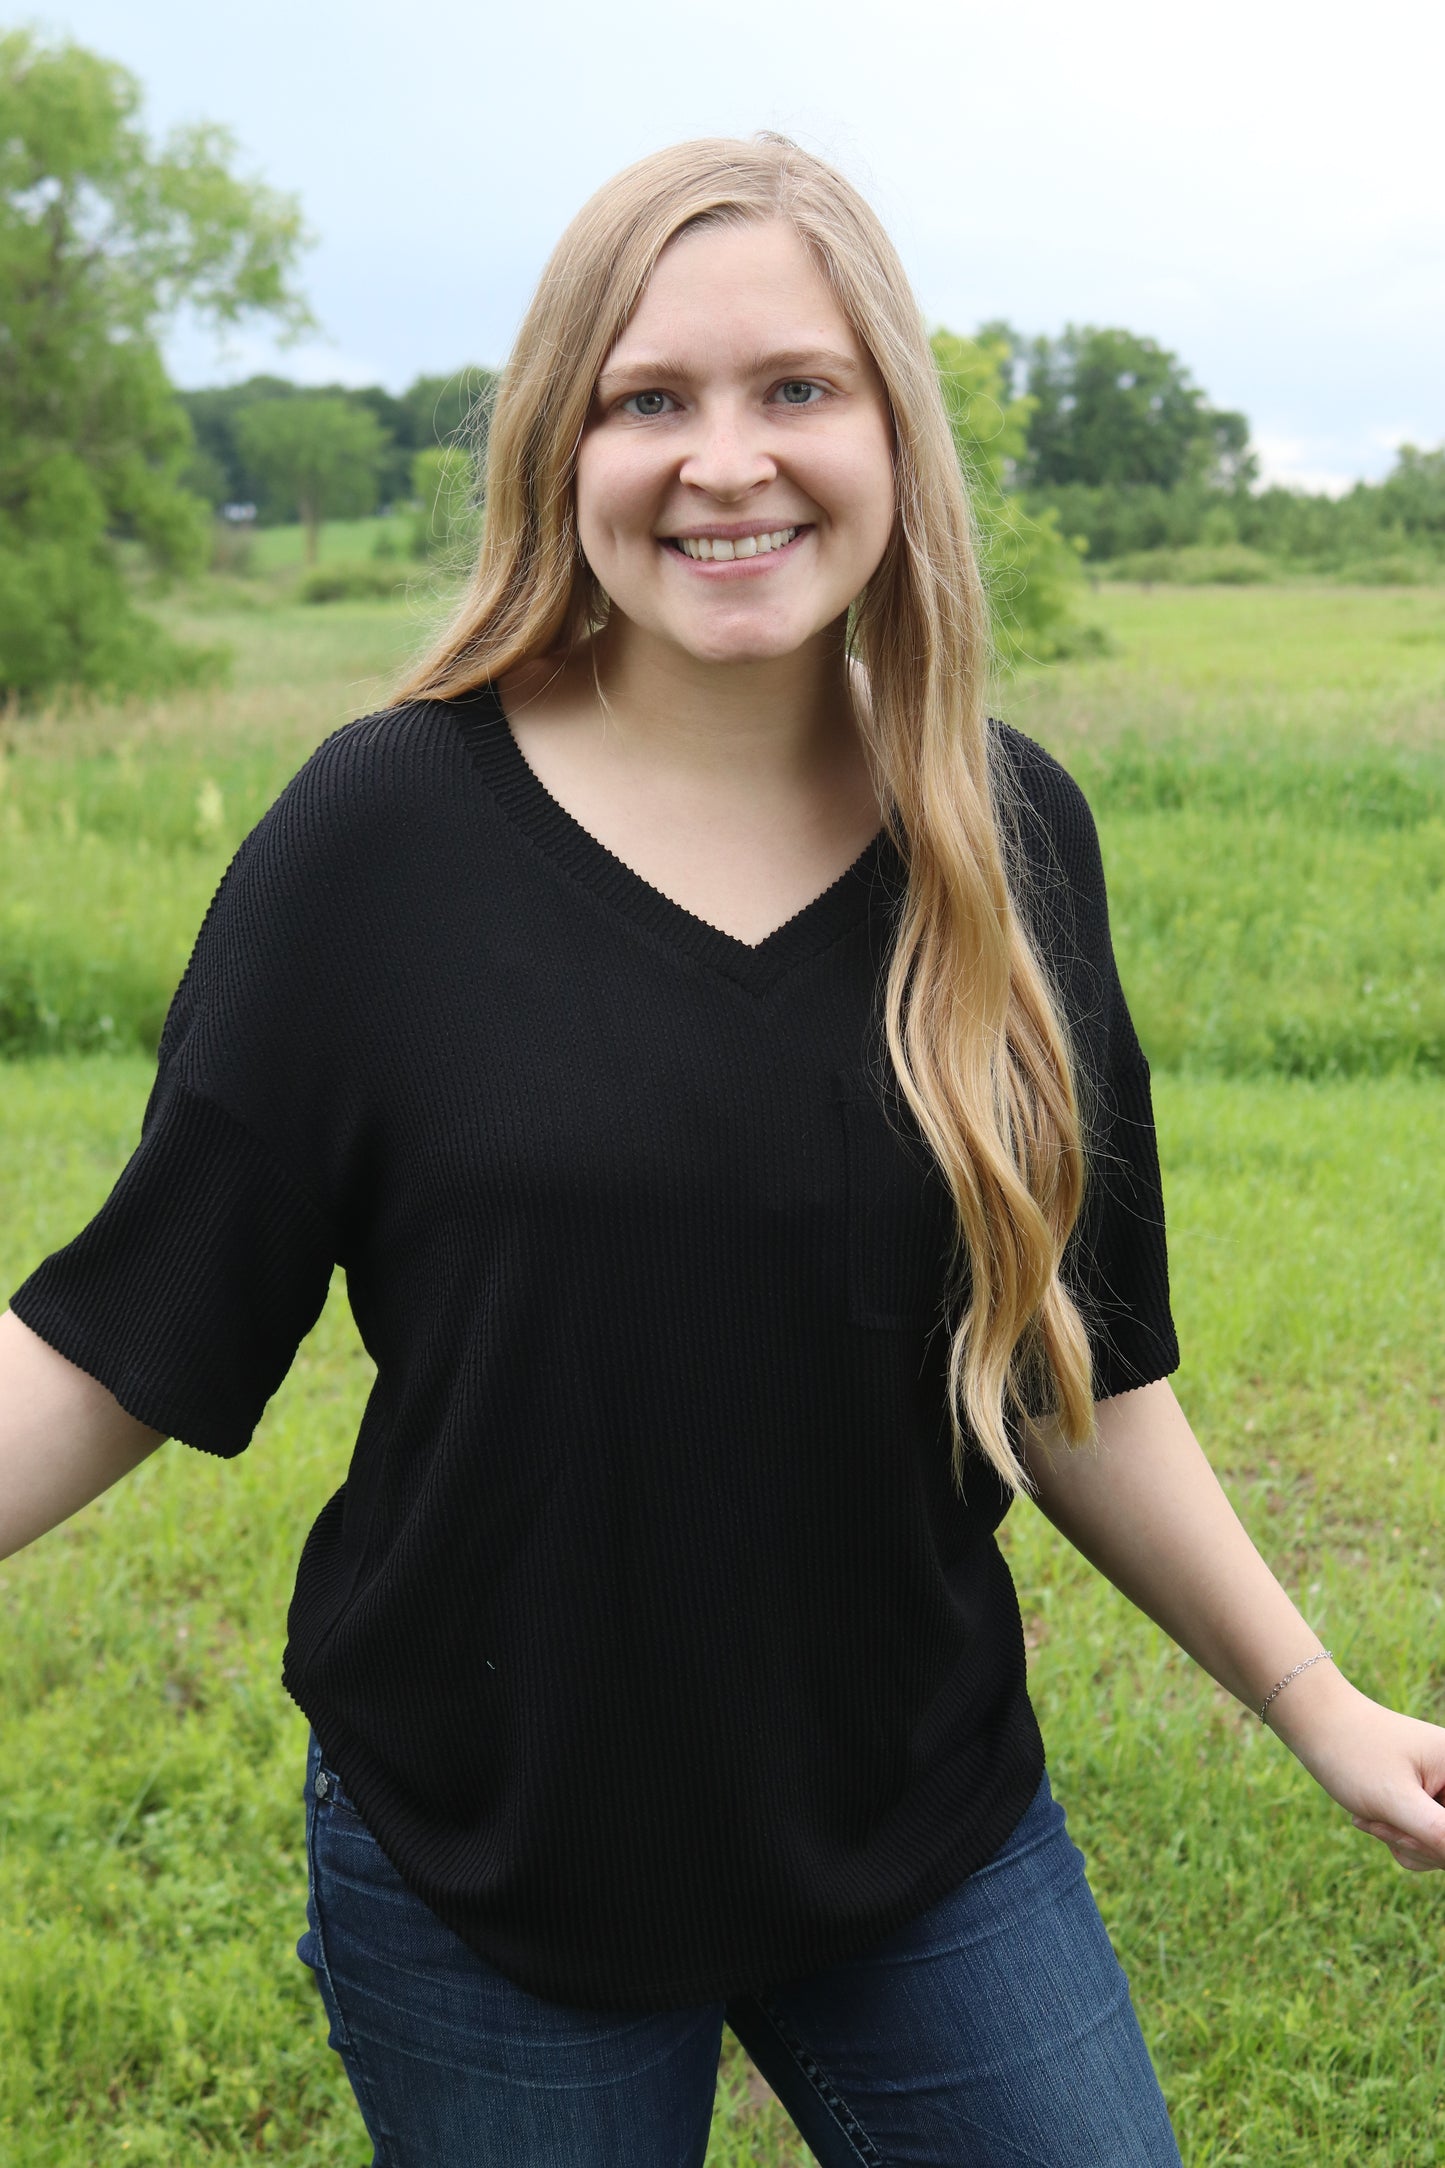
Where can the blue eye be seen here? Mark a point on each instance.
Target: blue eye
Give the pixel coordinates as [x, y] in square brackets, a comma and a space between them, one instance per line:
[799, 383]
[649, 413]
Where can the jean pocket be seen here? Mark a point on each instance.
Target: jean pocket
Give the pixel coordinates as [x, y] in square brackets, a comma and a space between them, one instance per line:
[900, 1212]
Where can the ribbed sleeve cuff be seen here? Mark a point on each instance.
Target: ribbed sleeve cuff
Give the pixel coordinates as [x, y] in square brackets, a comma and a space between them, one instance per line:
[189, 1292]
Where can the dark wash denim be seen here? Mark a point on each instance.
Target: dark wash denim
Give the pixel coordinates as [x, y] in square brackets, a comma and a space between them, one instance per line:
[992, 2031]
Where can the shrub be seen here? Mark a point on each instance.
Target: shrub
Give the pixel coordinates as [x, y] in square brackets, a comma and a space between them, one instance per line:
[233, 549]
[1030, 566]
[359, 581]
[1395, 569]
[446, 522]
[1230, 565]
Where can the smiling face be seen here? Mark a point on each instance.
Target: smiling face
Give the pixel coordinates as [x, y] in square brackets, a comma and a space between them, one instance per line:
[735, 475]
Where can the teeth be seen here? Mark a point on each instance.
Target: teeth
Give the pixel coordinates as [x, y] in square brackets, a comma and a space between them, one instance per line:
[747, 545]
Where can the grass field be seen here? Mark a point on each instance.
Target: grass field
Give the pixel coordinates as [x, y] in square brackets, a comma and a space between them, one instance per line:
[1268, 770]
[1267, 766]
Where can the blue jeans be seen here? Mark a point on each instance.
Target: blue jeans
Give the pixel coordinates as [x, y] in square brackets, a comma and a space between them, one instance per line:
[993, 2031]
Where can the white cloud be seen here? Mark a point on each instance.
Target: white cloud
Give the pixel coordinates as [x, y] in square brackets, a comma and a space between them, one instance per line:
[1292, 463]
[200, 357]
[1262, 196]
[1390, 439]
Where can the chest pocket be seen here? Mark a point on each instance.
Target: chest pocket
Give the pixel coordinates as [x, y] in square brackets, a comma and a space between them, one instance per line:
[899, 1214]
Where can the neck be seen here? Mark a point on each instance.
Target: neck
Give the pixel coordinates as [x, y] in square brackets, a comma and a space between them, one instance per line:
[782, 719]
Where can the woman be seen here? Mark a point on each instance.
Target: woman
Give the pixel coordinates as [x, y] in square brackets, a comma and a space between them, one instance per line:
[694, 1030]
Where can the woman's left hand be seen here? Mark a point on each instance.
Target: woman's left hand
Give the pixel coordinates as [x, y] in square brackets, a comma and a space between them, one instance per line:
[1386, 1770]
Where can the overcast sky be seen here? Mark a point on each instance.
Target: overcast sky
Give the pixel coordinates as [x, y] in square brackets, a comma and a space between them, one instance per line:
[1257, 186]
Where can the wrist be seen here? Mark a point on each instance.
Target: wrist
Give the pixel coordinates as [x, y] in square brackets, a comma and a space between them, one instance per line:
[1306, 1663]
[1310, 1706]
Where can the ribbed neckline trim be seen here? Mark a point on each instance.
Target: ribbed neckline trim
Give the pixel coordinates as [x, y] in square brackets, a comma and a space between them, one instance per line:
[525, 800]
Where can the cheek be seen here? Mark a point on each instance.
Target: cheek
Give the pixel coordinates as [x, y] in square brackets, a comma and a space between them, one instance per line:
[859, 486]
[615, 494]
[883, 504]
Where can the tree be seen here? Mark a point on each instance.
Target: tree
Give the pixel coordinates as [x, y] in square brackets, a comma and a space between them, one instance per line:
[1028, 566]
[433, 412]
[392, 481]
[102, 239]
[449, 410]
[1111, 409]
[314, 457]
[216, 468]
[1413, 493]
[446, 523]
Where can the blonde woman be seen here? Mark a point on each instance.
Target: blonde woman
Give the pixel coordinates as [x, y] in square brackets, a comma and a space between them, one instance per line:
[693, 1028]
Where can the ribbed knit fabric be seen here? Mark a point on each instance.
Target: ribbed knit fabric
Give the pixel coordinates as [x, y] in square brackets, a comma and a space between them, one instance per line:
[648, 1631]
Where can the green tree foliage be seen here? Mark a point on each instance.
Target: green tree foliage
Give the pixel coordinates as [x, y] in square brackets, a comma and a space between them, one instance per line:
[451, 410]
[216, 470]
[1111, 409]
[393, 470]
[1392, 530]
[1135, 462]
[1412, 497]
[1107, 441]
[1029, 567]
[433, 412]
[1115, 519]
[102, 239]
[316, 457]
[444, 488]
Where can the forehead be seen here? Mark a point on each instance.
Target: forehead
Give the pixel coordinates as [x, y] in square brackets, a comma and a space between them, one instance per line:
[729, 289]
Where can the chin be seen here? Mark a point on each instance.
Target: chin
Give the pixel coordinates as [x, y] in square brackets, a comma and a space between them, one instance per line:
[743, 643]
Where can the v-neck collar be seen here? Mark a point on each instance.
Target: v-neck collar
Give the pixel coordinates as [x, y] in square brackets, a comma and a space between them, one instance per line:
[525, 800]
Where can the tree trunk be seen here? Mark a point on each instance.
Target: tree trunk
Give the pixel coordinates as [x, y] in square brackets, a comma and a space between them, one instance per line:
[311, 521]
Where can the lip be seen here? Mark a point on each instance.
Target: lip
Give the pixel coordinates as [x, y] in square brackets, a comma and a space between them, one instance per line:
[732, 568]
[724, 531]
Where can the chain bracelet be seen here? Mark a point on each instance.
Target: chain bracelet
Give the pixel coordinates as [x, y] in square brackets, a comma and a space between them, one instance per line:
[1269, 1697]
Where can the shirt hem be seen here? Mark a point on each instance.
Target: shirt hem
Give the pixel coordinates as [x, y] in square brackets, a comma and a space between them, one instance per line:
[588, 1985]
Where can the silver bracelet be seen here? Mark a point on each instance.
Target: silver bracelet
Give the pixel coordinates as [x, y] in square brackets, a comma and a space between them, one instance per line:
[1269, 1697]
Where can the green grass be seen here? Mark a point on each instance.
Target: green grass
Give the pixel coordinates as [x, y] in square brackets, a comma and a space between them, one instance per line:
[283, 549]
[1283, 1970]
[116, 822]
[152, 1869]
[1267, 766]
[1240, 674]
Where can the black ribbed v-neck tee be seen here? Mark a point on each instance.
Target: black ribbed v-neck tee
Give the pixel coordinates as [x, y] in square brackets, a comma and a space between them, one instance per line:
[648, 1631]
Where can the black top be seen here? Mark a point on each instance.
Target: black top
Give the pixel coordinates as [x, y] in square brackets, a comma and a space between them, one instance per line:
[648, 1632]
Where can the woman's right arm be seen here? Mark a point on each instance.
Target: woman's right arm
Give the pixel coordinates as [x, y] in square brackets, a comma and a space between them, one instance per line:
[64, 1437]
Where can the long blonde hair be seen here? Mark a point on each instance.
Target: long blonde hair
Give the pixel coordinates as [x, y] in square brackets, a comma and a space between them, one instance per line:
[976, 1040]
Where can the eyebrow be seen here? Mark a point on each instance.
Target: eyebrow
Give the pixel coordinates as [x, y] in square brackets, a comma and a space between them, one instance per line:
[662, 370]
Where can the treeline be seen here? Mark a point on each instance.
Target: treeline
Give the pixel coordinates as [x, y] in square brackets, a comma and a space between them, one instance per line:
[229, 464]
[1132, 459]
[1096, 442]
[1390, 530]
[1099, 432]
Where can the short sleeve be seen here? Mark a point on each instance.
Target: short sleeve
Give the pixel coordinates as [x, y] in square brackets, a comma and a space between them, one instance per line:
[189, 1292]
[1116, 1263]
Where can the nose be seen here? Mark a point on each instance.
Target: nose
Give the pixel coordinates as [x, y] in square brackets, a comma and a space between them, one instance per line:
[726, 455]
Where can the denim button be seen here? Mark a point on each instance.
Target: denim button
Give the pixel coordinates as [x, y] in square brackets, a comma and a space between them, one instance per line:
[323, 1783]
